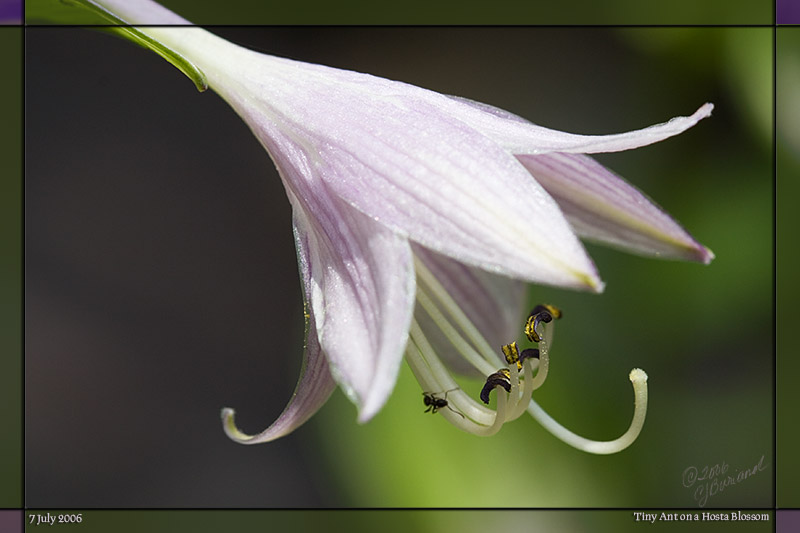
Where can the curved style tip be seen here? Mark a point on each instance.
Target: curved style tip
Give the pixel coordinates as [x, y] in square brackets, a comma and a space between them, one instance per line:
[638, 375]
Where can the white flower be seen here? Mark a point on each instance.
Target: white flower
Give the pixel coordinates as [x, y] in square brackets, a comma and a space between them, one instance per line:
[403, 195]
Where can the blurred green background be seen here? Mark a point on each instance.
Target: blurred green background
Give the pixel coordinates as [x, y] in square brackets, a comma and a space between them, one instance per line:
[162, 282]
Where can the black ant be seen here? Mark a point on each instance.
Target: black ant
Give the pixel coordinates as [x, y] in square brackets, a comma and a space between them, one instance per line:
[435, 403]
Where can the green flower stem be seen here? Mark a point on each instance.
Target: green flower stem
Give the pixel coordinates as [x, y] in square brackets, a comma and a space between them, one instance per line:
[53, 9]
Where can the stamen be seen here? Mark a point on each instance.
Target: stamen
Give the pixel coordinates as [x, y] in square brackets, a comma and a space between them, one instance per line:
[452, 308]
[469, 353]
[527, 390]
[512, 354]
[544, 355]
[476, 419]
[554, 311]
[499, 419]
[639, 380]
[432, 375]
[510, 405]
[501, 378]
[528, 353]
[541, 313]
[516, 362]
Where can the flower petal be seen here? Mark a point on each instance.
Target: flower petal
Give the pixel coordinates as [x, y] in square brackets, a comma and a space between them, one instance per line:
[313, 389]
[519, 136]
[361, 291]
[494, 304]
[475, 205]
[603, 207]
[315, 384]
[360, 286]
[420, 172]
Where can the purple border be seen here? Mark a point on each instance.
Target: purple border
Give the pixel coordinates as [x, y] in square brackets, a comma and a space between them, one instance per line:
[787, 521]
[10, 11]
[788, 11]
[10, 521]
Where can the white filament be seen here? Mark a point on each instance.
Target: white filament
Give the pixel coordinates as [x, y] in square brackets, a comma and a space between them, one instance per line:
[478, 419]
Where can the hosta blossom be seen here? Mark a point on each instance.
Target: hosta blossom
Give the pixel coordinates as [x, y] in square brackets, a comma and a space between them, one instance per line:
[418, 219]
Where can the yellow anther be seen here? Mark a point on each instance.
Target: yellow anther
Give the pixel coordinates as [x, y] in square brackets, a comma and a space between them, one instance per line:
[541, 313]
[512, 354]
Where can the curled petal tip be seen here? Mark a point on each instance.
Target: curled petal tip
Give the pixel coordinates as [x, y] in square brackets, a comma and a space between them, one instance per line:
[699, 254]
[369, 408]
[587, 279]
[230, 428]
[364, 417]
[706, 255]
[691, 251]
[595, 284]
[705, 110]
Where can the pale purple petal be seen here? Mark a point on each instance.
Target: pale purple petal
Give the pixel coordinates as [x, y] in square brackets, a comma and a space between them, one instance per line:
[494, 304]
[362, 297]
[477, 206]
[361, 285]
[313, 389]
[603, 207]
[315, 384]
[519, 136]
[420, 173]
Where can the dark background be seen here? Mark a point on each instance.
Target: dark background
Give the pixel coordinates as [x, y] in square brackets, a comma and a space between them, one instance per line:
[161, 282]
